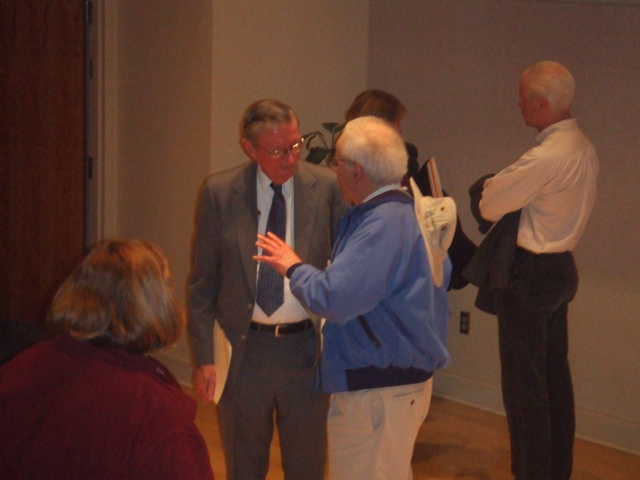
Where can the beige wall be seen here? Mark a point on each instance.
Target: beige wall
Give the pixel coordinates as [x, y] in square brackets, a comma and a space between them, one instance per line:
[311, 55]
[164, 78]
[177, 76]
[455, 65]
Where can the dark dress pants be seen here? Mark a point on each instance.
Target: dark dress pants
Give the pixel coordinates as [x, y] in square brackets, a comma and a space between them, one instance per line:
[536, 379]
[276, 379]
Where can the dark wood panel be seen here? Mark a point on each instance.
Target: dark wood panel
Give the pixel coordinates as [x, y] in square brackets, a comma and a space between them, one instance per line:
[42, 151]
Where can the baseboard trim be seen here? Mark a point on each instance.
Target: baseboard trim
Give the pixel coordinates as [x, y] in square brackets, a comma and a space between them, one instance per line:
[592, 426]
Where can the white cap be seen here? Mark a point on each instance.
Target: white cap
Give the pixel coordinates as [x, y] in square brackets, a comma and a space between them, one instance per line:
[437, 221]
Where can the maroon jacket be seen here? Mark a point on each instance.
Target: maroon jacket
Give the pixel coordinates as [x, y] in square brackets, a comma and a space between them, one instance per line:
[70, 409]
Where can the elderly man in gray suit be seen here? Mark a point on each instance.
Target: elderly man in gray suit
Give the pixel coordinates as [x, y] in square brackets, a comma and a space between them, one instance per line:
[274, 340]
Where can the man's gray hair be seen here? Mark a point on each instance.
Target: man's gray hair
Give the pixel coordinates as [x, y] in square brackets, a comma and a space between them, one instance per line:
[551, 81]
[377, 148]
[265, 115]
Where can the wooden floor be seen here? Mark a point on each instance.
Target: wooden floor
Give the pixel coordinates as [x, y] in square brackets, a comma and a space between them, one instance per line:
[455, 442]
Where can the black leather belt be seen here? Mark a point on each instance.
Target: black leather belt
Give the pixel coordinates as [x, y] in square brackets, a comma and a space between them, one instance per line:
[282, 328]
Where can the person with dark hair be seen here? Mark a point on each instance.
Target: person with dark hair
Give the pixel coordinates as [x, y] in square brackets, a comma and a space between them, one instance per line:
[541, 204]
[386, 315]
[377, 103]
[274, 340]
[90, 403]
[382, 104]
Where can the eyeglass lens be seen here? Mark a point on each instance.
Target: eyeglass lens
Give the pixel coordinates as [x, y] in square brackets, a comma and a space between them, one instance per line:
[281, 152]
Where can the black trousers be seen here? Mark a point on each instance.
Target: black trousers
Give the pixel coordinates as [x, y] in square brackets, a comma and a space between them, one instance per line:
[536, 379]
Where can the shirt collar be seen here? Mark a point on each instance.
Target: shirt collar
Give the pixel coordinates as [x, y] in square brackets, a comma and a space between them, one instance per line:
[265, 183]
[386, 188]
[568, 124]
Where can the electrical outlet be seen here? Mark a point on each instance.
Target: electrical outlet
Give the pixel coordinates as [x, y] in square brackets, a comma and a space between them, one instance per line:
[465, 322]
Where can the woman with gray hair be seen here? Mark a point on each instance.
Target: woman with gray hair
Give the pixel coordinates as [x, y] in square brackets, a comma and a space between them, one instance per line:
[90, 403]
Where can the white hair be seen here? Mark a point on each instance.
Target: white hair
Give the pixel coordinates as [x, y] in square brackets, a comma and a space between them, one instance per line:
[377, 147]
[551, 81]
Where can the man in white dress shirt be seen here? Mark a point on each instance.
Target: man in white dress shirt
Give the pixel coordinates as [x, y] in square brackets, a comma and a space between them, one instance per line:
[554, 187]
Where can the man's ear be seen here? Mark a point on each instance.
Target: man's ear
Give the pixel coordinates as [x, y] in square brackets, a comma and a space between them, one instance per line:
[543, 103]
[248, 148]
[358, 172]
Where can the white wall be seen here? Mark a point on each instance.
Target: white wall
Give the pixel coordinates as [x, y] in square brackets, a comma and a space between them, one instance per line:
[455, 65]
[311, 55]
[164, 78]
[183, 72]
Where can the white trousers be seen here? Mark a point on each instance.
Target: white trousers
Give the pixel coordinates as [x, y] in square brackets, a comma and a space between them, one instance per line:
[371, 433]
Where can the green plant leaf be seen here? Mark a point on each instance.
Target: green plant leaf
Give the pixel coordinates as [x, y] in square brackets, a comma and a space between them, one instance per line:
[311, 136]
[318, 154]
[333, 127]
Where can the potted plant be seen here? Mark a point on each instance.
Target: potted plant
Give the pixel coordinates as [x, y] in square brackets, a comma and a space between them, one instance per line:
[316, 143]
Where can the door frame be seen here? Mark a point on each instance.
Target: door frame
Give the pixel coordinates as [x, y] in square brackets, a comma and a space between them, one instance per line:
[101, 187]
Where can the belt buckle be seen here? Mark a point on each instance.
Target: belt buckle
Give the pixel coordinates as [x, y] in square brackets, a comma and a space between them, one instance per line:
[277, 332]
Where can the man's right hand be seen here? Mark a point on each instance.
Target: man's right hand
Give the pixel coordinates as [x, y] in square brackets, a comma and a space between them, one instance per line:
[204, 381]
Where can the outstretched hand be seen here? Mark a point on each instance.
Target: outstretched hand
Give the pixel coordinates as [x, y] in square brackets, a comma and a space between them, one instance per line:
[278, 254]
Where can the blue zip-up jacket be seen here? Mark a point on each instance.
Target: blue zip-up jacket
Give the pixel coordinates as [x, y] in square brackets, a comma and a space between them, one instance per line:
[386, 321]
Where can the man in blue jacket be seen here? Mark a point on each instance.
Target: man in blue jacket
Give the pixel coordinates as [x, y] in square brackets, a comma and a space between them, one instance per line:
[386, 320]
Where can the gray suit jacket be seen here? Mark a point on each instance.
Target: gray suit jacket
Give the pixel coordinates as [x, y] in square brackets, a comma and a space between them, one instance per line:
[222, 283]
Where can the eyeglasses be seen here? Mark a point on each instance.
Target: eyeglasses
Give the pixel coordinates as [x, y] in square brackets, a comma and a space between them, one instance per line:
[333, 161]
[294, 148]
